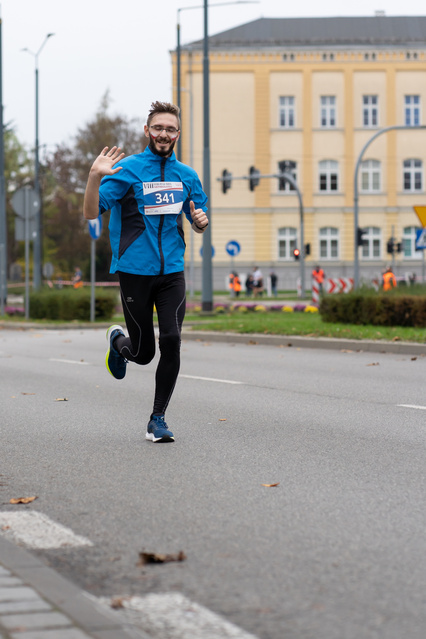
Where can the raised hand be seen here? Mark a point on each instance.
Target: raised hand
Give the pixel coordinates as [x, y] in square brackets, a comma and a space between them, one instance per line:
[104, 163]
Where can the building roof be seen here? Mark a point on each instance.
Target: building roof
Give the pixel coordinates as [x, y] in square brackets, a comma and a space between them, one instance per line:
[373, 31]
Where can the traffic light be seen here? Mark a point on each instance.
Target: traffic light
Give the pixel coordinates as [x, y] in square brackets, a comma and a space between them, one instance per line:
[226, 180]
[296, 253]
[286, 166]
[254, 178]
[399, 247]
[307, 249]
[390, 246]
[359, 236]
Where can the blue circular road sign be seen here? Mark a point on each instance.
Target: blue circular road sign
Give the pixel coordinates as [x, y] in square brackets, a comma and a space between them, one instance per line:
[201, 251]
[233, 248]
[95, 227]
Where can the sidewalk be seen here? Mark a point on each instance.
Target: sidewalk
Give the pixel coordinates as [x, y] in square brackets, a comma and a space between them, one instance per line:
[37, 603]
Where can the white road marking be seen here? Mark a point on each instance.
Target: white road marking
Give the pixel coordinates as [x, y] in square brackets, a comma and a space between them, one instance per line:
[211, 379]
[68, 361]
[173, 616]
[412, 406]
[36, 530]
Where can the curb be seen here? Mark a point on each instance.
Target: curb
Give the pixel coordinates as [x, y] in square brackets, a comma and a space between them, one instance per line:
[328, 343]
[81, 608]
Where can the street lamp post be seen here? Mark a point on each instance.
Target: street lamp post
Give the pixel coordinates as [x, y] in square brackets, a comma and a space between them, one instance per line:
[356, 196]
[38, 240]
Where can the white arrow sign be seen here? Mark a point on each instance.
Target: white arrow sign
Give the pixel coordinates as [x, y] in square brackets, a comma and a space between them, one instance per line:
[420, 239]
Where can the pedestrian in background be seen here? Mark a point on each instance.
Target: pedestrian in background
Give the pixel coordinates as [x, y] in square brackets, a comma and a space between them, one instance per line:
[77, 280]
[274, 281]
[389, 280]
[319, 277]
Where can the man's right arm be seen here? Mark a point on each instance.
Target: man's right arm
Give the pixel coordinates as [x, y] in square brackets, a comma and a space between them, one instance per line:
[91, 197]
[103, 165]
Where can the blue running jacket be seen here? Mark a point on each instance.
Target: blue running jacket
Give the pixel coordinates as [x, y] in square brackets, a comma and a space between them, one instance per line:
[146, 199]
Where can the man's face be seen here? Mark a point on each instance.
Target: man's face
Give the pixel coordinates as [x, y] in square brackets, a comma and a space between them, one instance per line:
[162, 142]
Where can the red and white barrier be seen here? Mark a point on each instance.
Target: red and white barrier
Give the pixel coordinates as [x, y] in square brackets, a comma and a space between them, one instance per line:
[331, 285]
[315, 292]
[339, 285]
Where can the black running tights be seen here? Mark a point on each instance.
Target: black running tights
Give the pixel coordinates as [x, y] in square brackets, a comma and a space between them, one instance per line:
[139, 293]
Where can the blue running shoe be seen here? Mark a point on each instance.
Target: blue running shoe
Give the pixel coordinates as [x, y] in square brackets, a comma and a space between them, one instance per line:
[157, 431]
[115, 363]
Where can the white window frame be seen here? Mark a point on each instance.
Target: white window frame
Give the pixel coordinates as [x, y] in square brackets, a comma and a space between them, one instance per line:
[370, 111]
[409, 251]
[287, 112]
[329, 243]
[328, 119]
[371, 248]
[328, 169]
[412, 110]
[286, 242]
[413, 172]
[371, 176]
[287, 186]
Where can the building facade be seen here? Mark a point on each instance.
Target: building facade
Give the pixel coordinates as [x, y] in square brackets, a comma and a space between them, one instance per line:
[306, 95]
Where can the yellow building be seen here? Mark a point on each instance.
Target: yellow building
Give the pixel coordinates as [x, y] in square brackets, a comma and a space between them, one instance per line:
[307, 94]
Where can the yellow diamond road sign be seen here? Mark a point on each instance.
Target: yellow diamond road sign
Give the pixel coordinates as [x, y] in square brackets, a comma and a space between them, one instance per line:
[421, 214]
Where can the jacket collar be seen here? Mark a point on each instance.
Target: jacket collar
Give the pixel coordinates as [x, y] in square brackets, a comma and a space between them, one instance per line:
[158, 158]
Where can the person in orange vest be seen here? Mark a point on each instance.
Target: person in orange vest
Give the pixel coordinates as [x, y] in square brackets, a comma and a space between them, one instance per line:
[389, 280]
[237, 284]
[234, 284]
[319, 276]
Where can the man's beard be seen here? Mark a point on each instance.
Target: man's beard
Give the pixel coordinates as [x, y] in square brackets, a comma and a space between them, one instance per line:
[163, 154]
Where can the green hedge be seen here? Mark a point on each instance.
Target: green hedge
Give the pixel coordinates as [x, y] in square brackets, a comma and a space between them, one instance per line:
[377, 309]
[72, 304]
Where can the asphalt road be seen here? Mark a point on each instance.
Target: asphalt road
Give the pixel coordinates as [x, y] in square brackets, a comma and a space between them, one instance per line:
[335, 551]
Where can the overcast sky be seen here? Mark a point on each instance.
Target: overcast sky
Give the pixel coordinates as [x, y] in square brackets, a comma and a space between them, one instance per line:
[122, 46]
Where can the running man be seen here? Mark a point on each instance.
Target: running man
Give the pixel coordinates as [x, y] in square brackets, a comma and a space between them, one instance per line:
[146, 194]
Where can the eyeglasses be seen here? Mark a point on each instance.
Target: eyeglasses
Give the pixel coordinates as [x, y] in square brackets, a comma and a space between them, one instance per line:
[170, 130]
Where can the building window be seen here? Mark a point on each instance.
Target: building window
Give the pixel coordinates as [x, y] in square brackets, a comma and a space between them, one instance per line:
[371, 247]
[370, 176]
[329, 243]
[409, 243]
[287, 242]
[370, 113]
[286, 112]
[328, 111]
[411, 110]
[328, 176]
[413, 175]
[287, 166]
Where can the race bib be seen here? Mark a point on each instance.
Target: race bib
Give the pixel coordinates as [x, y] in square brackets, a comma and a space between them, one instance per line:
[163, 198]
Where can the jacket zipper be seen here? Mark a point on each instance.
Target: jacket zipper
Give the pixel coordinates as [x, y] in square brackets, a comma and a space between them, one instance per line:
[160, 226]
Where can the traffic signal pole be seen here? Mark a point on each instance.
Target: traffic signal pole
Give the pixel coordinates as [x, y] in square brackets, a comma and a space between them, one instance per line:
[356, 191]
[254, 177]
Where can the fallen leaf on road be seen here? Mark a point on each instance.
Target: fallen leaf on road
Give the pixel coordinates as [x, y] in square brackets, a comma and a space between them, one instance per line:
[413, 359]
[61, 399]
[271, 485]
[27, 393]
[222, 419]
[158, 558]
[22, 500]
[117, 602]
[373, 364]
[345, 350]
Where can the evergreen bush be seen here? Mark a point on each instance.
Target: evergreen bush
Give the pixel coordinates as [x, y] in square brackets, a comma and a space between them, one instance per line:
[71, 304]
[377, 309]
